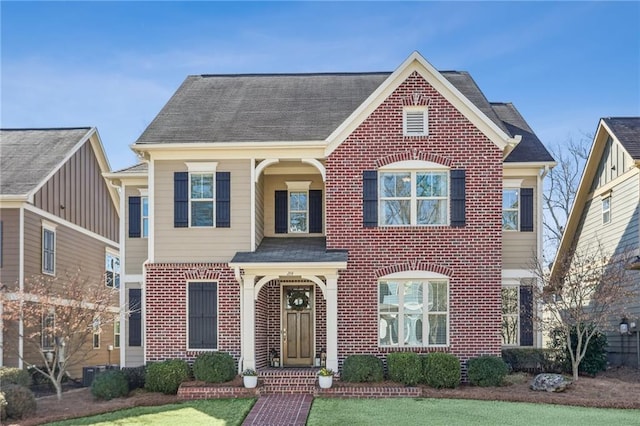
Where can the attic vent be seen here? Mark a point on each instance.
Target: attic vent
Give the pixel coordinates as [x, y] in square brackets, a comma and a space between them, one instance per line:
[415, 121]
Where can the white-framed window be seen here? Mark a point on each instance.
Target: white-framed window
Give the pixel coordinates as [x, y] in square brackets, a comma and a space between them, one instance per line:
[48, 248]
[116, 333]
[413, 197]
[510, 209]
[606, 209]
[202, 187]
[510, 315]
[413, 312]
[48, 330]
[144, 216]
[415, 121]
[298, 211]
[97, 330]
[112, 270]
[202, 315]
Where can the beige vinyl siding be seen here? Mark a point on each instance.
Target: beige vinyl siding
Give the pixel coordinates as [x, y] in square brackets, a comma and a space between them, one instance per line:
[78, 193]
[202, 244]
[134, 355]
[260, 210]
[519, 249]
[135, 248]
[9, 271]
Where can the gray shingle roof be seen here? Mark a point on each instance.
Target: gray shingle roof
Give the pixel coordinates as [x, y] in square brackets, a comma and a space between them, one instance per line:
[298, 107]
[282, 250]
[627, 130]
[27, 156]
[137, 168]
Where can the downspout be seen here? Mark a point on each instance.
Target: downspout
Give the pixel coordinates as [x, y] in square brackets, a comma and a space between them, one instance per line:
[539, 239]
[21, 286]
[123, 269]
[236, 273]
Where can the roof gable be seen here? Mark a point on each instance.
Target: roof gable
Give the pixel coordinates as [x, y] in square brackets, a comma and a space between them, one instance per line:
[627, 131]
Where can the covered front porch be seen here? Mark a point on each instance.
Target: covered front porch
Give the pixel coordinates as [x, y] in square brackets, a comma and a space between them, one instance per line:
[289, 302]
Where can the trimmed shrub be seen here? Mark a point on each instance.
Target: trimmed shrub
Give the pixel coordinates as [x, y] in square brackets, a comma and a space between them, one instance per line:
[16, 376]
[214, 367]
[441, 370]
[135, 376]
[20, 401]
[166, 376]
[531, 360]
[404, 367]
[487, 370]
[595, 358]
[110, 384]
[362, 368]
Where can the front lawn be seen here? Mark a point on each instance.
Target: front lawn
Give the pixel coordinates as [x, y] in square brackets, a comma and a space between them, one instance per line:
[222, 412]
[405, 411]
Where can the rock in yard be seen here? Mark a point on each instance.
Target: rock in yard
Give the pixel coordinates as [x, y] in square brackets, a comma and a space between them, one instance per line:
[549, 382]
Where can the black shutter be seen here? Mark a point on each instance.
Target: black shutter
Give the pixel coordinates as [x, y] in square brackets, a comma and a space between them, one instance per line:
[223, 200]
[181, 200]
[134, 217]
[526, 209]
[370, 198]
[458, 198]
[135, 317]
[526, 316]
[281, 213]
[203, 319]
[315, 211]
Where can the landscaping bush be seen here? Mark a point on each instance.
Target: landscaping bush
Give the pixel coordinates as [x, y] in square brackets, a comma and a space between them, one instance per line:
[531, 360]
[404, 367]
[20, 401]
[3, 407]
[441, 370]
[214, 367]
[362, 368]
[487, 370]
[110, 384]
[135, 376]
[37, 378]
[595, 358]
[17, 376]
[166, 376]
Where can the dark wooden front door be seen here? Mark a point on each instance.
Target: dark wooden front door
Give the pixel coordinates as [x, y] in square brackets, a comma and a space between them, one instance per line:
[297, 325]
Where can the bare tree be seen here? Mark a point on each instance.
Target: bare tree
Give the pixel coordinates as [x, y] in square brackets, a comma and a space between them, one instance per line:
[587, 289]
[561, 185]
[59, 318]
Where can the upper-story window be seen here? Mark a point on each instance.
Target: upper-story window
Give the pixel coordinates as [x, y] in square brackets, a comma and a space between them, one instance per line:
[298, 211]
[415, 121]
[201, 198]
[511, 209]
[144, 212]
[112, 270]
[47, 336]
[48, 248]
[606, 209]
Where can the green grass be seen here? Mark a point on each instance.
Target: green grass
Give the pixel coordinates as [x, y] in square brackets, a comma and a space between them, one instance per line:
[216, 412]
[405, 411]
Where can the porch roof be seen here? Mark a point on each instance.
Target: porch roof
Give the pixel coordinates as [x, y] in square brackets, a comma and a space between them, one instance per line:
[291, 250]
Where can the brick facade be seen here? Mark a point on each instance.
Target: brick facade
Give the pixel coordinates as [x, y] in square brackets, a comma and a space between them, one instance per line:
[470, 255]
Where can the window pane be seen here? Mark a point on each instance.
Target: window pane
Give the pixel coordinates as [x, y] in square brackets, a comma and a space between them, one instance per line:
[201, 213]
[145, 227]
[145, 206]
[431, 184]
[509, 300]
[298, 222]
[413, 329]
[396, 212]
[298, 201]
[395, 184]
[388, 307]
[510, 198]
[438, 297]
[432, 212]
[412, 296]
[437, 329]
[510, 330]
[510, 220]
[201, 185]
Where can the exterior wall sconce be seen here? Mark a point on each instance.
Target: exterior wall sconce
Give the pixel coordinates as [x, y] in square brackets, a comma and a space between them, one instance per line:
[624, 326]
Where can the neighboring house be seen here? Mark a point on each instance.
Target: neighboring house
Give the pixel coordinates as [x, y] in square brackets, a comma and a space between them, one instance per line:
[325, 215]
[57, 214]
[606, 212]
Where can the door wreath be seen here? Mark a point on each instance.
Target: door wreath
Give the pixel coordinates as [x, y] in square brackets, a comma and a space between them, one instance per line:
[298, 300]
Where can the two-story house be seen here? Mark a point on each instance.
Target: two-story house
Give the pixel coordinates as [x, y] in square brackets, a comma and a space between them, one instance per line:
[605, 215]
[57, 214]
[324, 215]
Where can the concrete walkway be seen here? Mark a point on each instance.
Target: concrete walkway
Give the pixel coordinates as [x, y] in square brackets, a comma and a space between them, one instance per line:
[280, 410]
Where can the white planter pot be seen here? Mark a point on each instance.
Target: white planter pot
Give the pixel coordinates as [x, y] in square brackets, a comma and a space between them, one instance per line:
[325, 382]
[250, 381]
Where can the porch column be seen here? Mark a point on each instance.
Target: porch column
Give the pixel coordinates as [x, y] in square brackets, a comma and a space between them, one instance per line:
[331, 297]
[248, 324]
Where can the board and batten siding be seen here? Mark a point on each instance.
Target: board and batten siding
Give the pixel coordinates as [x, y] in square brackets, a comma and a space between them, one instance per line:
[136, 249]
[195, 245]
[78, 193]
[9, 269]
[519, 249]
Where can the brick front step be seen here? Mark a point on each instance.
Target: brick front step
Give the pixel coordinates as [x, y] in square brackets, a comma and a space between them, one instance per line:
[189, 391]
[288, 380]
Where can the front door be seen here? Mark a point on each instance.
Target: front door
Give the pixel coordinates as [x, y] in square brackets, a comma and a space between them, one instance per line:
[297, 325]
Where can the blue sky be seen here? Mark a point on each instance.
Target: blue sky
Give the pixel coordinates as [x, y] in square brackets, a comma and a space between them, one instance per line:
[114, 65]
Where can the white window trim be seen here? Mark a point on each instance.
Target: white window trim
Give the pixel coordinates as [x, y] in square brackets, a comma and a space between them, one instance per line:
[425, 279]
[110, 252]
[143, 217]
[516, 285]
[413, 197]
[212, 200]
[517, 209]
[217, 313]
[96, 333]
[42, 326]
[425, 120]
[116, 326]
[606, 197]
[49, 227]
[297, 186]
